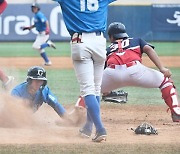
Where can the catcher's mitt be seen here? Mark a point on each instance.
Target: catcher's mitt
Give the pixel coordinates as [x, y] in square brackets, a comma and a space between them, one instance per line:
[116, 97]
[145, 129]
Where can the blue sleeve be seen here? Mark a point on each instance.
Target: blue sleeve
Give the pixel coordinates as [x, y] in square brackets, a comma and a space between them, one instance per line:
[15, 92]
[51, 100]
[58, 1]
[142, 43]
[110, 1]
[41, 17]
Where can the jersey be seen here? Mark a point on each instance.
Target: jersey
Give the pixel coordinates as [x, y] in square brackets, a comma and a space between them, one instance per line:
[45, 95]
[40, 21]
[85, 15]
[125, 51]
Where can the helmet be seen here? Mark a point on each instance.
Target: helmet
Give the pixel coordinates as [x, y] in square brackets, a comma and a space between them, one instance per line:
[35, 5]
[36, 73]
[117, 30]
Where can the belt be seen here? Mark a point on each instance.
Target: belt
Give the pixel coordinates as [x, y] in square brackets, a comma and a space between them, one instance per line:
[76, 37]
[127, 65]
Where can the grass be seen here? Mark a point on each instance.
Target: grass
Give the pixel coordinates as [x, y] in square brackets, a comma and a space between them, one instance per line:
[63, 84]
[19, 49]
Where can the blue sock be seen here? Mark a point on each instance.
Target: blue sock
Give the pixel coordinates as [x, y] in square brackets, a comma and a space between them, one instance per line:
[93, 109]
[98, 99]
[89, 123]
[44, 45]
[45, 57]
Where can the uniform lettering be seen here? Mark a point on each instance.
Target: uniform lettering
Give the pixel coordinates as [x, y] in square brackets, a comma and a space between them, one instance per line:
[92, 5]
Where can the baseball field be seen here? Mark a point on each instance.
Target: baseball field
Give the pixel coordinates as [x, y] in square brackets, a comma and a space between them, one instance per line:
[45, 132]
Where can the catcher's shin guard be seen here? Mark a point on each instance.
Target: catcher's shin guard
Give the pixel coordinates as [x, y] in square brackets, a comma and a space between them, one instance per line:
[169, 94]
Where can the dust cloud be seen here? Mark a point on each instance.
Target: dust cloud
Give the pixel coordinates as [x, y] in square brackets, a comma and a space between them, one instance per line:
[18, 124]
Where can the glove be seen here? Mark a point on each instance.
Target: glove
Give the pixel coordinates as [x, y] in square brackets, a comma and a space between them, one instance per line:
[145, 129]
[116, 97]
[47, 31]
[25, 28]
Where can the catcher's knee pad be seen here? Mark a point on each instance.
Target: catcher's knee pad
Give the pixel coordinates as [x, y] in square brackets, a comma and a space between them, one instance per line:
[169, 94]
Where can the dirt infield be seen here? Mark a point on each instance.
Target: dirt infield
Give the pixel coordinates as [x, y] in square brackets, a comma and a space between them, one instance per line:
[66, 63]
[118, 119]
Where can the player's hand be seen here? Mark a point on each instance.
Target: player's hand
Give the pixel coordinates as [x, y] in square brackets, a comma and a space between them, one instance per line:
[47, 31]
[25, 28]
[166, 72]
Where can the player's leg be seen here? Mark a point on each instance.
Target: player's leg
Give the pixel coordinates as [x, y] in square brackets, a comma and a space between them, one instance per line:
[82, 60]
[86, 130]
[3, 76]
[150, 78]
[170, 96]
[6, 80]
[38, 45]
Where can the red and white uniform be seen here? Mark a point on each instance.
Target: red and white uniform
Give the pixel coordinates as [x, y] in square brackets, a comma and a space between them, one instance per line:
[124, 68]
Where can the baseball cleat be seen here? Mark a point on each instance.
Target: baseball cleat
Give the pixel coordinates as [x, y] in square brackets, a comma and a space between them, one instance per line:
[85, 133]
[100, 136]
[51, 44]
[49, 63]
[116, 97]
[9, 83]
[175, 117]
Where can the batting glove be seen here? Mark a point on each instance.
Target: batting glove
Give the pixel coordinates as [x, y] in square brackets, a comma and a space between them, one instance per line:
[25, 28]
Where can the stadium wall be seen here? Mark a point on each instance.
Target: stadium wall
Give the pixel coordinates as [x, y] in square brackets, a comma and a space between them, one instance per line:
[157, 22]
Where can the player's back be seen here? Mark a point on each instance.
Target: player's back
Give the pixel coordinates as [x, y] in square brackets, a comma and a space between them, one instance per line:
[85, 17]
[40, 21]
[124, 51]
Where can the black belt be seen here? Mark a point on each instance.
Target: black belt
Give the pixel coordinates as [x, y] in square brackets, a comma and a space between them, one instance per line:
[76, 37]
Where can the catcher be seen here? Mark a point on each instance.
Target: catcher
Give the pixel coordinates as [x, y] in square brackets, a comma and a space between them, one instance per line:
[124, 68]
[42, 26]
[35, 91]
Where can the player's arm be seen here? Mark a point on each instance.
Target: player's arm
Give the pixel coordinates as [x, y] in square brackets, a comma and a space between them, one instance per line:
[51, 100]
[28, 27]
[15, 93]
[47, 27]
[155, 59]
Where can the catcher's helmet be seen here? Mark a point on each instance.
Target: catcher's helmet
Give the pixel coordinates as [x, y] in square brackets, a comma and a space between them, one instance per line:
[36, 73]
[35, 5]
[117, 30]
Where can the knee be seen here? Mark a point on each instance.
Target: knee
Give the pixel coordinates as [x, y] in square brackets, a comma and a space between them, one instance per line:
[36, 47]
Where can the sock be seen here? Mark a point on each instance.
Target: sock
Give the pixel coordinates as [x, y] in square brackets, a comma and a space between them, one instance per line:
[93, 111]
[89, 123]
[45, 57]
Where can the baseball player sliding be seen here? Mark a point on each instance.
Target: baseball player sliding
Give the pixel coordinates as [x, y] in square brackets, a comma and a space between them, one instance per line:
[34, 92]
[42, 26]
[124, 68]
